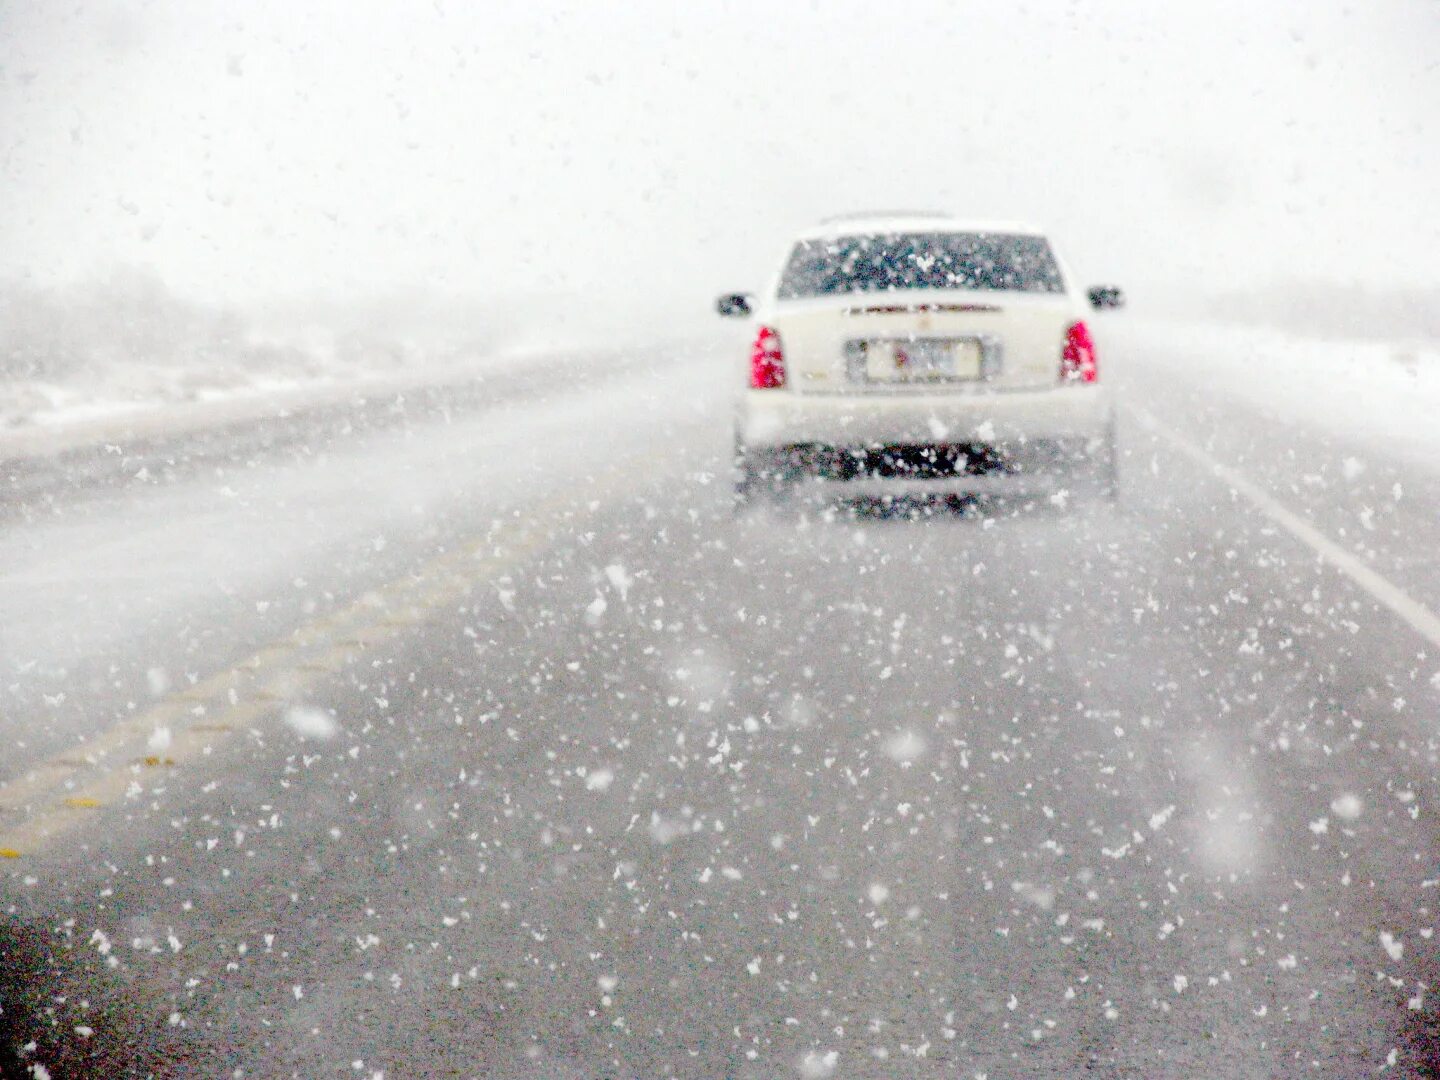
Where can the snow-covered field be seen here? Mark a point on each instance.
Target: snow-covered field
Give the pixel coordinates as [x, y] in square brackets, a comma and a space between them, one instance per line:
[128, 357]
[122, 390]
[142, 400]
[1382, 394]
[122, 402]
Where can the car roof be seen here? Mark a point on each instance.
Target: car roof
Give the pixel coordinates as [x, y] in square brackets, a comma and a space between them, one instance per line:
[864, 224]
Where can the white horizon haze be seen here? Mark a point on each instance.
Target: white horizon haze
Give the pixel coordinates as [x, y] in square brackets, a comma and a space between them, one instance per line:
[657, 154]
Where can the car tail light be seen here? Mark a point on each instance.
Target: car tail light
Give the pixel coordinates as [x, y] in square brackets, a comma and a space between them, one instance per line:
[1077, 362]
[767, 361]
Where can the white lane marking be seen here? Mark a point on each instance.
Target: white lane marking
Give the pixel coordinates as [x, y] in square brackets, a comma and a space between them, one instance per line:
[1420, 618]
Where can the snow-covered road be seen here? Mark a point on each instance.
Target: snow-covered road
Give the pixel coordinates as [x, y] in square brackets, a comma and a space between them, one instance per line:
[493, 744]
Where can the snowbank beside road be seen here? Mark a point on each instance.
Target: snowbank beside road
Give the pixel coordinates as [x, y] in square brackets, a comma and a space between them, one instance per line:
[90, 414]
[1383, 394]
[82, 413]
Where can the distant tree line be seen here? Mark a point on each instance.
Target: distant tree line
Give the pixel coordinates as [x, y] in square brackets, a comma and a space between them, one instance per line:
[130, 317]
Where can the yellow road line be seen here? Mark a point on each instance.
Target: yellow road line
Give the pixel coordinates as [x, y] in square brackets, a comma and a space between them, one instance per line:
[223, 704]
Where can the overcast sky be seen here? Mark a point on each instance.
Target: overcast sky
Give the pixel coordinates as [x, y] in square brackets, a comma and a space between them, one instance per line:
[621, 148]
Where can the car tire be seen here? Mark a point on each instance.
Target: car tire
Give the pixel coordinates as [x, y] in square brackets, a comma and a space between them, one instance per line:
[1094, 476]
[1106, 469]
[746, 480]
[744, 492]
[760, 477]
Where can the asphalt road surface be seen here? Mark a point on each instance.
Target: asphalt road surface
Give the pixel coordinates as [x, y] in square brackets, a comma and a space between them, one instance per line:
[476, 738]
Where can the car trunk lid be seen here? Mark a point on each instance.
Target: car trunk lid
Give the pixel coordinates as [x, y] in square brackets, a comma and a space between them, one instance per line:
[924, 342]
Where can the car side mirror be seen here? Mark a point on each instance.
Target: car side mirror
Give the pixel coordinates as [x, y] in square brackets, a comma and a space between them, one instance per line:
[1107, 296]
[734, 305]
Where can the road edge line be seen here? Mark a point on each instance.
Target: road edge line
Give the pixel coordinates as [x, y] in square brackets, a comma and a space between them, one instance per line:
[1380, 588]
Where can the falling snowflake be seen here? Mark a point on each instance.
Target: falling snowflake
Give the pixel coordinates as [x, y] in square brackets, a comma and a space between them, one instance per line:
[311, 723]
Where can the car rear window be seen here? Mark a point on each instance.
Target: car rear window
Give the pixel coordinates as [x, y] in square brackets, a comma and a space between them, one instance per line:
[876, 263]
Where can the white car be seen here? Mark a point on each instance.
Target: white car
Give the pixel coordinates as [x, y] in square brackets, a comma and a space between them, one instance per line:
[914, 354]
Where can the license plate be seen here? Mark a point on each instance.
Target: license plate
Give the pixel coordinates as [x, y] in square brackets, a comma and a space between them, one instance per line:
[923, 360]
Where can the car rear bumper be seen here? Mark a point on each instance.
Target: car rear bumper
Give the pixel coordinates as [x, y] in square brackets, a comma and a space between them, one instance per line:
[1065, 414]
